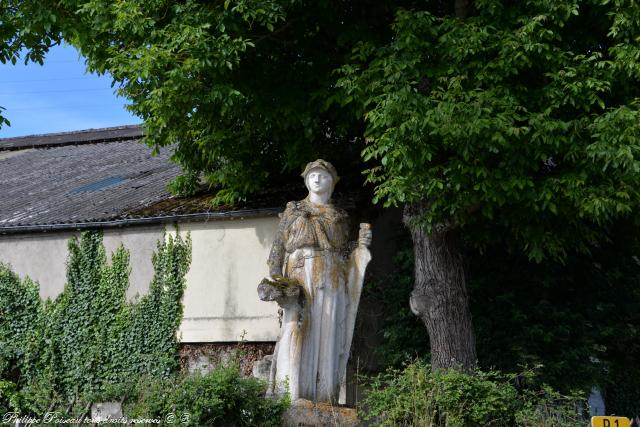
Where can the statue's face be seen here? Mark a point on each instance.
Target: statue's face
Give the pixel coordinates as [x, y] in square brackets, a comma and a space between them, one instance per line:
[319, 181]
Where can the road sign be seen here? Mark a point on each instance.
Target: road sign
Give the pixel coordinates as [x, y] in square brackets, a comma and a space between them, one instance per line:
[610, 422]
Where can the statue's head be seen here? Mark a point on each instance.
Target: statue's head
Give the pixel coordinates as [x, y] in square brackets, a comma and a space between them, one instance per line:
[320, 177]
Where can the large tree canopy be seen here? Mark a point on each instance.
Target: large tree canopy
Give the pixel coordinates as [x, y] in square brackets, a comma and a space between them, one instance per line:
[522, 116]
[242, 87]
[520, 120]
[496, 120]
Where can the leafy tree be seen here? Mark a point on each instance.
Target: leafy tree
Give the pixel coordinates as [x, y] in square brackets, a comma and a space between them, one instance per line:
[242, 88]
[518, 121]
[26, 32]
[483, 118]
[575, 322]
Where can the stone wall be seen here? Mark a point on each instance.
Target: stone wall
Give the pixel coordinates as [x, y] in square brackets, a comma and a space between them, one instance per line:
[204, 357]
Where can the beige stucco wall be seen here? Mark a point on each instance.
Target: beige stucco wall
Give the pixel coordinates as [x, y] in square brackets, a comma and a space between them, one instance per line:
[220, 301]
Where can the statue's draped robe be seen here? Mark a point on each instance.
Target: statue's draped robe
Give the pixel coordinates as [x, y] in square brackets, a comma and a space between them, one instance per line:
[312, 351]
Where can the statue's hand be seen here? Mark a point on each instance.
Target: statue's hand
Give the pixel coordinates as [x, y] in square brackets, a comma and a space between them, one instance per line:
[365, 235]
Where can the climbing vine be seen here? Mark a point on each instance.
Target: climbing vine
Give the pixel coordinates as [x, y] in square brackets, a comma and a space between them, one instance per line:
[90, 341]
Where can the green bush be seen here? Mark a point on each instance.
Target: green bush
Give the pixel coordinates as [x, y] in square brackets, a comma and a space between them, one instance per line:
[416, 396]
[220, 397]
[8, 397]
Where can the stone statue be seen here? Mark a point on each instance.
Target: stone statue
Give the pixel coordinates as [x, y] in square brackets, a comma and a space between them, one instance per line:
[317, 282]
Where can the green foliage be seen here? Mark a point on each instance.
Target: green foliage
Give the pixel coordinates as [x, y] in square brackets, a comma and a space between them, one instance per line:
[622, 394]
[185, 185]
[8, 397]
[223, 83]
[240, 89]
[218, 398]
[21, 325]
[90, 345]
[27, 32]
[521, 119]
[578, 319]
[76, 348]
[416, 396]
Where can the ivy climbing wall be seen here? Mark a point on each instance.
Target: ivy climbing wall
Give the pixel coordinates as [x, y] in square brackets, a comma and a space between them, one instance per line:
[220, 299]
[89, 340]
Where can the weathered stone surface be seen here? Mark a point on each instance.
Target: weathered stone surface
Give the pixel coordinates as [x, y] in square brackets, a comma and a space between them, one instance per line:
[304, 413]
[103, 411]
[201, 364]
[270, 291]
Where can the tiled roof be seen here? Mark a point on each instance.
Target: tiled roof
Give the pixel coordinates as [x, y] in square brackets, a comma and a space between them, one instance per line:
[107, 178]
[45, 180]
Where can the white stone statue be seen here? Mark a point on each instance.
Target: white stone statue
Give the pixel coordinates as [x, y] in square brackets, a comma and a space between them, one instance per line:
[317, 283]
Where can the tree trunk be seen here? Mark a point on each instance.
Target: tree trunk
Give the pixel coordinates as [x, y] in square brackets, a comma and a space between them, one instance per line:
[439, 294]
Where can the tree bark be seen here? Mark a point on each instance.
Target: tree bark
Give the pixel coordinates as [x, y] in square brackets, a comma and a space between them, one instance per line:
[439, 295]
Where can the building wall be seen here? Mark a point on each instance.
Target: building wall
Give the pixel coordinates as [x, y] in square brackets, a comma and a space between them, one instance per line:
[220, 302]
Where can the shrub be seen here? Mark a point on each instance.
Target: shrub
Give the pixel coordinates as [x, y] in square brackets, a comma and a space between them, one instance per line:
[220, 397]
[8, 397]
[416, 396]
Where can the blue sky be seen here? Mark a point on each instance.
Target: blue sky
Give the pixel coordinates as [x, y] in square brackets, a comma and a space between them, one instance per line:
[58, 96]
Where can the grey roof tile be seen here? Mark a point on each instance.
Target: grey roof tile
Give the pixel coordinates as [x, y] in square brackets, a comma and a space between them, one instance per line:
[104, 177]
[89, 181]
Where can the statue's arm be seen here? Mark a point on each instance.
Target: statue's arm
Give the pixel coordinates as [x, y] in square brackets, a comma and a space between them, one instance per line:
[276, 256]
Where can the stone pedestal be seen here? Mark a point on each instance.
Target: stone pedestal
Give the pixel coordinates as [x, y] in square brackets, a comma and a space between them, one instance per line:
[304, 413]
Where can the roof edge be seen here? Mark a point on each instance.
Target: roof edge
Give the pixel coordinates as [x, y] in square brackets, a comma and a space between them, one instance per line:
[85, 136]
[166, 219]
